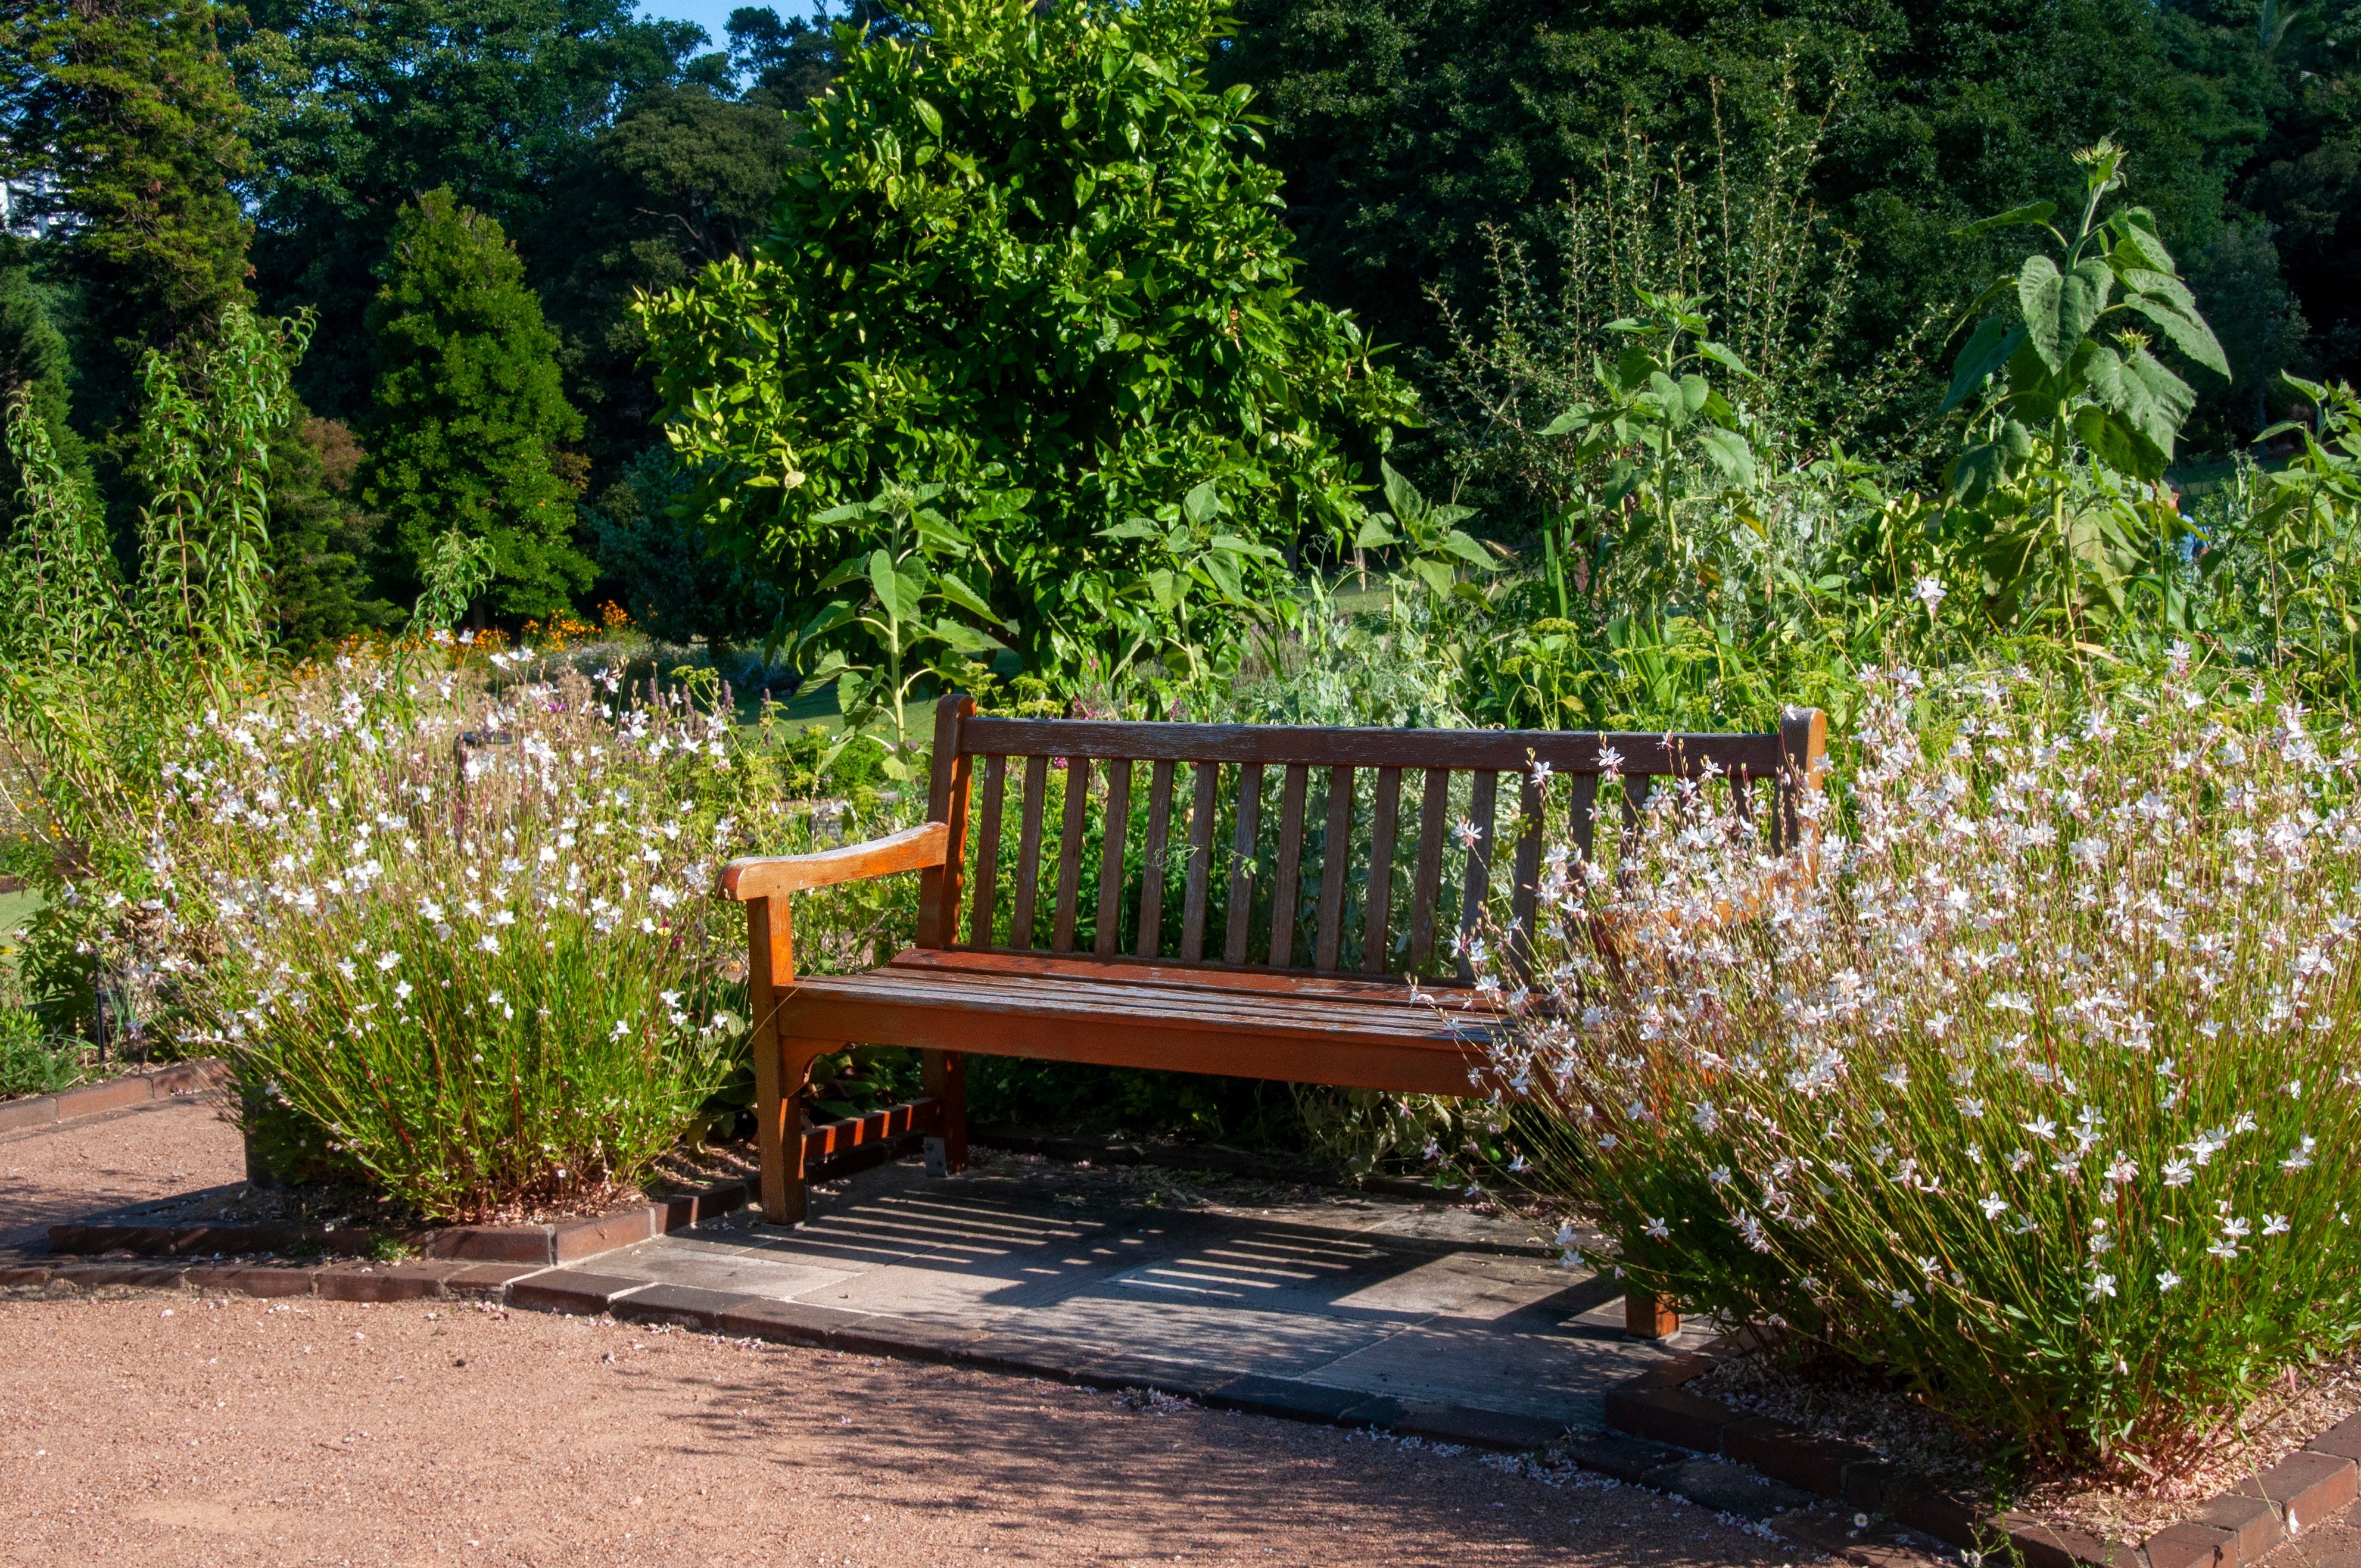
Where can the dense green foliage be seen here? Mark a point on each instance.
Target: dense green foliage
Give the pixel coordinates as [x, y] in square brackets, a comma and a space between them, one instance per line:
[1031, 262]
[467, 424]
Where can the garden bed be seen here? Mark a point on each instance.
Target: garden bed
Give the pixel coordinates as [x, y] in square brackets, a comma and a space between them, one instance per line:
[1841, 1430]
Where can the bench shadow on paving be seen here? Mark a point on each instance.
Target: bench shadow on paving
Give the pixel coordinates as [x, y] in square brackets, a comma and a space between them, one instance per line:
[1344, 1302]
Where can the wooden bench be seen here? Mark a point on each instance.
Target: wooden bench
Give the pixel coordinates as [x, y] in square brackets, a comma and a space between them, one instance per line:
[1284, 902]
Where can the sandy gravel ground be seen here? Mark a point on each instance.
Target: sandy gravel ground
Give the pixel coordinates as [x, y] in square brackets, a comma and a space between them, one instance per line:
[148, 1430]
[70, 1170]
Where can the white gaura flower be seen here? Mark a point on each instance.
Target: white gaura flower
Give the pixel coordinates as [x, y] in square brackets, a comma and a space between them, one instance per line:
[1994, 1205]
[2275, 1224]
[1706, 1115]
[2225, 1249]
[1930, 592]
[2178, 1173]
[1970, 1107]
[2167, 1281]
[344, 968]
[386, 960]
[2301, 1158]
[2041, 1127]
[1718, 1176]
[2122, 1169]
[1904, 1298]
[2104, 1284]
[488, 943]
[2236, 1229]
[1658, 1229]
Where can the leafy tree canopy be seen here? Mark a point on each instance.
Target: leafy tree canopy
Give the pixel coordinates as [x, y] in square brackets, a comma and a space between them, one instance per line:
[1031, 262]
[129, 106]
[466, 430]
[359, 104]
[1404, 126]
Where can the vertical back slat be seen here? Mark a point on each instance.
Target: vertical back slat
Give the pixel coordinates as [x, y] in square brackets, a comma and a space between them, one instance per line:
[1291, 862]
[1029, 852]
[1118, 829]
[1335, 859]
[1579, 813]
[1528, 871]
[987, 854]
[1244, 845]
[1484, 792]
[1152, 880]
[1376, 905]
[1070, 854]
[1636, 792]
[1426, 882]
[1201, 811]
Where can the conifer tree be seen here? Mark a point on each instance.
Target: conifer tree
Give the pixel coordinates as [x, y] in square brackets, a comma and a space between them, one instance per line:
[469, 422]
[128, 106]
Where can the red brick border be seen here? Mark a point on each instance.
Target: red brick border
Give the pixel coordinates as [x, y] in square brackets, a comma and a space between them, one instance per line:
[114, 1093]
[2235, 1528]
[332, 1282]
[568, 1241]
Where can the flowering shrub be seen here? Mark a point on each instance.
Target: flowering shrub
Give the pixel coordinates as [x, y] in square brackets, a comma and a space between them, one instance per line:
[2038, 1090]
[470, 951]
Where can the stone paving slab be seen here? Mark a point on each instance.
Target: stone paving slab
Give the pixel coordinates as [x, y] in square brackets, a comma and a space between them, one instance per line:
[1349, 1309]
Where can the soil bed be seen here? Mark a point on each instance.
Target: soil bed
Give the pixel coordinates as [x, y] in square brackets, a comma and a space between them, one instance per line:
[1830, 1397]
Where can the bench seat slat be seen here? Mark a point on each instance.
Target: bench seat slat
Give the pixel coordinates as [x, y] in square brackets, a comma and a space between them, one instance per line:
[1259, 1034]
[1495, 749]
[1124, 969]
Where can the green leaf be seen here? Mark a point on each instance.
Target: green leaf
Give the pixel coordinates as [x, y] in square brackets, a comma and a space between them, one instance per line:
[1985, 466]
[2163, 285]
[1138, 528]
[1693, 391]
[928, 115]
[2081, 295]
[2114, 442]
[2039, 285]
[1468, 550]
[1573, 419]
[1435, 574]
[1374, 533]
[1401, 495]
[1731, 454]
[888, 586]
[1202, 503]
[845, 513]
[1724, 358]
[2015, 217]
[965, 638]
[1987, 351]
[2188, 333]
[956, 590]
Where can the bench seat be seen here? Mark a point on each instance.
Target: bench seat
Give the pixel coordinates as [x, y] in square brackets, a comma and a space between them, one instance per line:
[1128, 1012]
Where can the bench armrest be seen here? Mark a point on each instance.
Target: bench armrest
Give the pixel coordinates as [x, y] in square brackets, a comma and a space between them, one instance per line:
[911, 850]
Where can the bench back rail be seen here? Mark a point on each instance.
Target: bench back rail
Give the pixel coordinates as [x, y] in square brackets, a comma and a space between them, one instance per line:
[1370, 851]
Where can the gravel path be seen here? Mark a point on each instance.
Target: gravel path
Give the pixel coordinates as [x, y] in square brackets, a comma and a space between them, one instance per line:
[239, 1432]
[74, 1169]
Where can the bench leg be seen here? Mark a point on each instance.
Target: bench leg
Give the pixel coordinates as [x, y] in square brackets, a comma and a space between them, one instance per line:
[780, 1077]
[1649, 1316]
[944, 1074]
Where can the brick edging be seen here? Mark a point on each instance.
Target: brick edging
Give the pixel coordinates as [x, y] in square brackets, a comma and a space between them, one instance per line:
[2232, 1528]
[343, 1281]
[114, 1093]
[565, 1241]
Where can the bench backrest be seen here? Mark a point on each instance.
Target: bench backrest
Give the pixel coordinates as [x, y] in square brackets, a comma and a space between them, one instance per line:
[1272, 847]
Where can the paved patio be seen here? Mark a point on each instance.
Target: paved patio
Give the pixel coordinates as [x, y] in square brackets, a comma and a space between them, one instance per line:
[1349, 1308]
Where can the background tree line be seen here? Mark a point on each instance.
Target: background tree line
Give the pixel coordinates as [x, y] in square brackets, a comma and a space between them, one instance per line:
[467, 197]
